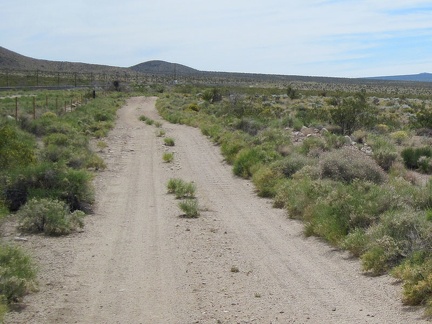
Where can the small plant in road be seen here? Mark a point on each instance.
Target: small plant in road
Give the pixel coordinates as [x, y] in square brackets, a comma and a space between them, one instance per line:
[189, 207]
[169, 141]
[168, 157]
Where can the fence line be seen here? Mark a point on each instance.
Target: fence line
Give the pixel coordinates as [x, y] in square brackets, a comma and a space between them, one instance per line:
[20, 107]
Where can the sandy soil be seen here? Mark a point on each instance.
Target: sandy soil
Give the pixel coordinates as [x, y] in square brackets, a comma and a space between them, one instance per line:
[242, 261]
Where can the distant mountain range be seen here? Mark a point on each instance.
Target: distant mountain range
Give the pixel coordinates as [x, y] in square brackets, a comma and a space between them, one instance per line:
[421, 77]
[10, 60]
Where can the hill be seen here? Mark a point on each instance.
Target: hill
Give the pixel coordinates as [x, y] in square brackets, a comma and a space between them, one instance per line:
[162, 67]
[10, 60]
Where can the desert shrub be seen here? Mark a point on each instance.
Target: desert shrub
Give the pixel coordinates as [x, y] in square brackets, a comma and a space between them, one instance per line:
[399, 137]
[169, 141]
[50, 217]
[416, 273]
[356, 242]
[346, 208]
[56, 139]
[334, 141]
[17, 275]
[189, 207]
[313, 143]
[353, 113]
[384, 152]
[398, 235]
[382, 128]
[214, 131]
[412, 155]
[249, 126]
[348, 164]
[290, 164]
[246, 159]
[142, 118]
[17, 149]
[232, 143]
[302, 193]
[47, 180]
[359, 136]
[265, 180]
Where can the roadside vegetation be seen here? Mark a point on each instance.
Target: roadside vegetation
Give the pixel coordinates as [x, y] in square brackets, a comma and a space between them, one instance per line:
[353, 166]
[46, 172]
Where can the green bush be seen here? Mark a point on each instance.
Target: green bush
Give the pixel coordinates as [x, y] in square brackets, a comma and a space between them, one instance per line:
[290, 164]
[17, 149]
[412, 155]
[232, 143]
[189, 207]
[246, 159]
[47, 180]
[399, 136]
[384, 152]
[399, 234]
[265, 180]
[17, 275]
[356, 242]
[416, 273]
[50, 217]
[348, 164]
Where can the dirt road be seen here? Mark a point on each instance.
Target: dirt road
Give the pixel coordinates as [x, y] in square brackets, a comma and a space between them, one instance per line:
[242, 261]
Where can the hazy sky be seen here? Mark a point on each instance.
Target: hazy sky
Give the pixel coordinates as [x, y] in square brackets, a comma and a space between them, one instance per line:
[341, 38]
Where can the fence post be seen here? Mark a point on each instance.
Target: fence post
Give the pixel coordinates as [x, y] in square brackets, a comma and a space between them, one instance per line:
[34, 108]
[65, 106]
[16, 109]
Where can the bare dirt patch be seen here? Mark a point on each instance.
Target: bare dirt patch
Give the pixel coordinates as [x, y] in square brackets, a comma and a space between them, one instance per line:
[241, 261]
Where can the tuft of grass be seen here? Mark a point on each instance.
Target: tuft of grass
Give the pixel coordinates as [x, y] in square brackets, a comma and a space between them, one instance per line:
[158, 124]
[168, 157]
[189, 207]
[169, 141]
[142, 118]
[160, 133]
[173, 183]
[181, 188]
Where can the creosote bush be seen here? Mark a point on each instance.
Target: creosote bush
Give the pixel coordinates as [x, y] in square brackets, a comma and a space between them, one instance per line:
[50, 217]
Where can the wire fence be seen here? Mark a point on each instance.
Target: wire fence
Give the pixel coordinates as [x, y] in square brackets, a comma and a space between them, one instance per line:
[34, 105]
